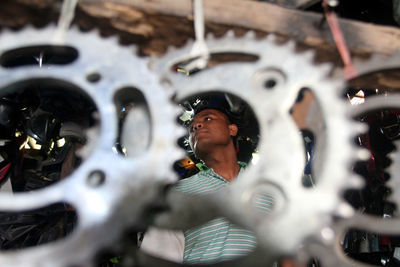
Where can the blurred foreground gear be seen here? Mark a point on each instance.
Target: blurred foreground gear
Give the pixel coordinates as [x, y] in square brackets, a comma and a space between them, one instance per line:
[108, 192]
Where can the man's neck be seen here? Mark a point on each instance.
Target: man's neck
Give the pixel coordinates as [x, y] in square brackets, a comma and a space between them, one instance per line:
[224, 164]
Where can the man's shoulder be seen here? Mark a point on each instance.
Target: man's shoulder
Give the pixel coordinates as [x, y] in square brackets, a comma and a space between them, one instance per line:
[199, 183]
[189, 182]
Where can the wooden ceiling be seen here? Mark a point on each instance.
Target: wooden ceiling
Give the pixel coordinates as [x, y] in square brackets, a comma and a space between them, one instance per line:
[156, 24]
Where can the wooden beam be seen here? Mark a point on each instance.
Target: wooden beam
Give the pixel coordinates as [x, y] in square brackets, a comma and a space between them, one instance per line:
[305, 27]
[153, 25]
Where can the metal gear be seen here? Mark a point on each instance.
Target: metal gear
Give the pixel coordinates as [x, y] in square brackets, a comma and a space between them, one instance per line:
[270, 86]
[132, 184]
[394, 182]
[366, 222]
[377, 63]
[356, 220]
[380, 102]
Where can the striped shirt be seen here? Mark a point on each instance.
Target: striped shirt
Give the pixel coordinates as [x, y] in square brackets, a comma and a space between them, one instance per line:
[218, 240]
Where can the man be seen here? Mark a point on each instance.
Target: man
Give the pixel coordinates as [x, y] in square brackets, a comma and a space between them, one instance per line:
[211, 136]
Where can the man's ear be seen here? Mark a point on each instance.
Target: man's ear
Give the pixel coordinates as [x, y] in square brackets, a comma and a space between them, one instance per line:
[233, 129]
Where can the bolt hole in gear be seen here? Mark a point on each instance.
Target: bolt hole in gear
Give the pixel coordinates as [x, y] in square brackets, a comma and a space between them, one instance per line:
[134, 122]
[78, 93]
[38, 55]
[96, 178]
[93, 77]
[214, 60]
[29, 228]
[51, 116]
[45, 129]
[280, 147]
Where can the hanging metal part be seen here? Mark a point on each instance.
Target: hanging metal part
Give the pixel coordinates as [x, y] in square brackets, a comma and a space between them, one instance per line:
[64, 22]
[199, 50]
[270, 86]
[333, 22]
[128, 186]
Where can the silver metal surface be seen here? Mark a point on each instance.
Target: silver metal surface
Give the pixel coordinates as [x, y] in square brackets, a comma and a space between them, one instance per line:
[361, 221]
[305, 222]
[130, 184]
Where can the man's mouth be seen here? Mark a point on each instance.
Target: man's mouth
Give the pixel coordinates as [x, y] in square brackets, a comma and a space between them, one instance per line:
[200, 132]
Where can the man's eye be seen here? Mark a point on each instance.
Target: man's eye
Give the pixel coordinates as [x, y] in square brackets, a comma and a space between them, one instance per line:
[207, 119]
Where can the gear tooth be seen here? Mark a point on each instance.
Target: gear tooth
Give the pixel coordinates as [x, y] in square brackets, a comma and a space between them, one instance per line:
[153, 62]
[344, 210]
[363, 154]
[180, 132]
[170, 49]
[250, 35]
[361, 128]
[26, 28]
[177, 110]
[291, 45]
[392, 157]
[356, 181]
[271, 38]
[392, 199]
[5, 31]
[97, 32]
[189, 43]
[170, 176]
[74, 28]
[180, 153]
[91, 141]
[325, 68]
[393, 184]
[210, 36]
[309, 55]
[135, 51]
[230, 34]
[113, 39]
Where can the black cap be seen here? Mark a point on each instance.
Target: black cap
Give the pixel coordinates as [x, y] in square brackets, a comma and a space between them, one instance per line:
[237, 112]
[231, 106]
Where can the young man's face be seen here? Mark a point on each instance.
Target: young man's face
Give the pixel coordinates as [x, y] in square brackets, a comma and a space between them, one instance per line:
[210, 128]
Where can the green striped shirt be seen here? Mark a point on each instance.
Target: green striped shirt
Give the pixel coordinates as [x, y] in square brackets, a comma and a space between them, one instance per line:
[217, 240]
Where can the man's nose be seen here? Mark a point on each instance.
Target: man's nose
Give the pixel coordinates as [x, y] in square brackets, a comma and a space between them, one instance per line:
[197, 125]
